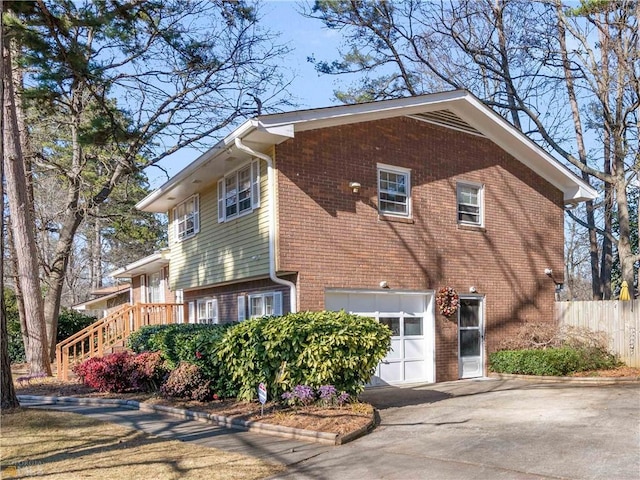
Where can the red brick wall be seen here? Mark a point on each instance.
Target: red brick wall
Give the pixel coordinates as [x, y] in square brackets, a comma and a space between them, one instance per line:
[227, 296]
[136, 283]
[334, 238]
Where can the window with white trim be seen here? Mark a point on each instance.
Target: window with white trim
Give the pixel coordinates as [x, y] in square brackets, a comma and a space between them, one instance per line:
[469, 199]
[268, 303]
[239, 192]
[208, 310]
[394, 189]
[186, 218]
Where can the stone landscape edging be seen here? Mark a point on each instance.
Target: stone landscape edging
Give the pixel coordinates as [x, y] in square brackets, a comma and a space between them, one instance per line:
[324, 438]
[577, 380]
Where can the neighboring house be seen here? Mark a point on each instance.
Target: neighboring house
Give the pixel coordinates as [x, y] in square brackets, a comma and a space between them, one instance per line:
[105, 300]
[372, 208]
[149, 279]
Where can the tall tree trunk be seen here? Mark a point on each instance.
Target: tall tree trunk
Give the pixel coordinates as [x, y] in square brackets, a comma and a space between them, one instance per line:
[607, 246]
[498, 12]
[8, 397]
[596, 283]
[56, 277]
[22, 226]
[73, 217]
[96, 252]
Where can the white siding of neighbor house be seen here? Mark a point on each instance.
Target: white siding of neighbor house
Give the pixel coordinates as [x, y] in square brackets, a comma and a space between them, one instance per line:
[222, 252]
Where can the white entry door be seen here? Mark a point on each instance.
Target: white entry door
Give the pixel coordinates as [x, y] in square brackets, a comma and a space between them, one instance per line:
[409, 316]
[470, 338]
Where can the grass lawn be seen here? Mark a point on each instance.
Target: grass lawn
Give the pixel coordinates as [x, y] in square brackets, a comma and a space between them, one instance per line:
[57, 445]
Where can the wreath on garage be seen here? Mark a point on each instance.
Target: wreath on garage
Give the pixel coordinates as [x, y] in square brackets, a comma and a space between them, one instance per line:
[447, 300]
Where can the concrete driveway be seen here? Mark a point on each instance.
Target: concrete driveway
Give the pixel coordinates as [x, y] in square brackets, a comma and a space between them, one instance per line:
[492, 429]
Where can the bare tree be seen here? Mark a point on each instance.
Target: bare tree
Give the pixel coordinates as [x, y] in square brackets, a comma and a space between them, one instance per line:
[529, 60]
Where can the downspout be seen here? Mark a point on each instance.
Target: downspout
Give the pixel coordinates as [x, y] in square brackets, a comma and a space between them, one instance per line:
[272, 222]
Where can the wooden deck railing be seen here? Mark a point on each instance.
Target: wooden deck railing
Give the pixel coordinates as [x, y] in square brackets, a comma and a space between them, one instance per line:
[101, 336]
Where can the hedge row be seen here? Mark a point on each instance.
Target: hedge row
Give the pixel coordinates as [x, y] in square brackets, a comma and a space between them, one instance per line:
[307, 348]
[552, 361]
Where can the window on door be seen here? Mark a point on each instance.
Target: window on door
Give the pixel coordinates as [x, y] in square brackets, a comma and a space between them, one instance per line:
[406, 325]
[470, 327]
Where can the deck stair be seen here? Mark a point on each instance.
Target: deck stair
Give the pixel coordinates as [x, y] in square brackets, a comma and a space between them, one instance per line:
[110, 334]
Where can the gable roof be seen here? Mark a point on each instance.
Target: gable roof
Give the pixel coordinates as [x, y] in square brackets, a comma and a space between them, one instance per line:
[457, 109]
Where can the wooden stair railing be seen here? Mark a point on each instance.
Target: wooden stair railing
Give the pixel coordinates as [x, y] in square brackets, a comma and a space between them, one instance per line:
[99, 337]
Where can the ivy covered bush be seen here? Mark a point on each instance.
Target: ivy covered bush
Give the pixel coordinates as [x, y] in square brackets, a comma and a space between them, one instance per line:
[306, 348]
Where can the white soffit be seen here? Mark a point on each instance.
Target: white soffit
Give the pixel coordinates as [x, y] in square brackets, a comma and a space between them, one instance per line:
[149, 264]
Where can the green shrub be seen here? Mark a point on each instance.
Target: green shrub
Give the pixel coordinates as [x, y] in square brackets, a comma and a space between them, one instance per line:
[70, 322]
[552, 361]
[307, 348]
[192, 343]
[187, 381]
[174, 341]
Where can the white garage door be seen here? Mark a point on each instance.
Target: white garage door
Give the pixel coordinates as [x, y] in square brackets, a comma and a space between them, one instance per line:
[410, 317]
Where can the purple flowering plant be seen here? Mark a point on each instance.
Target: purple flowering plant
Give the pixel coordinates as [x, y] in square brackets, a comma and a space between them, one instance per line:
[306, 395]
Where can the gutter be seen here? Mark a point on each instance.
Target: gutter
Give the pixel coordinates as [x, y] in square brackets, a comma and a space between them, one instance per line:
[272, 222]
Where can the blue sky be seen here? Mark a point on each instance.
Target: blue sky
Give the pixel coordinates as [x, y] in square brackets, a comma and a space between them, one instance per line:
[305, 37]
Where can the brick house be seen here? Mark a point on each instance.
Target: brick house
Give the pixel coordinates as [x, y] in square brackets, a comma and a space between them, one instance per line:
[373, 208]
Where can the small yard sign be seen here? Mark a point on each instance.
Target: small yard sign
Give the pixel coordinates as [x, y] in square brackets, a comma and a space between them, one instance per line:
[262, 396]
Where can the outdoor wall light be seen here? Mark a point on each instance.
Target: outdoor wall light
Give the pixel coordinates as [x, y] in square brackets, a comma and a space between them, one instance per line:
[384, 284]
[473, 289]
[354, 186]
[548, 272]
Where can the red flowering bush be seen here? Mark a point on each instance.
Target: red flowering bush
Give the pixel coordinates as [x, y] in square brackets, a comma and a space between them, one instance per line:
[447, 300]
[122, 372]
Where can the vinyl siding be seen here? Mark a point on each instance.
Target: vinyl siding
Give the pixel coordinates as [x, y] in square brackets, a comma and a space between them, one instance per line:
[222, 252]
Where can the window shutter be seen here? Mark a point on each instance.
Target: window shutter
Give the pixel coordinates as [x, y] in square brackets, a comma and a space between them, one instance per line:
[213, 315]
[242, 312]
[192, 312]
[277, 303]
[173, 223]
[196, 214]
[255, 183]
[221, 208]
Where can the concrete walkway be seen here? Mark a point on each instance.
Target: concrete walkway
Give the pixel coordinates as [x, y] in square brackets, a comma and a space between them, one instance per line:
[472, 429]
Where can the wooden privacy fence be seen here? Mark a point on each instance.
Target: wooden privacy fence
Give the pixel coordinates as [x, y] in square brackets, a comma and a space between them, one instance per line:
[619, 320]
